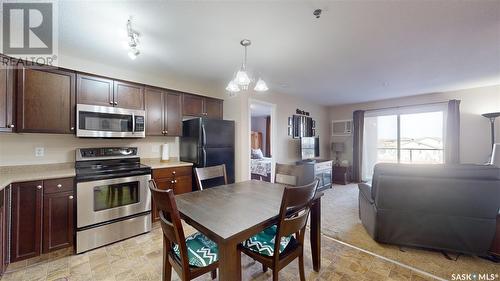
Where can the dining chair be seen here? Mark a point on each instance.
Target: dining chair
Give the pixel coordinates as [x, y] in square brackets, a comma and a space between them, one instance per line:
[208, 173]
[289, 231]
[190, 256]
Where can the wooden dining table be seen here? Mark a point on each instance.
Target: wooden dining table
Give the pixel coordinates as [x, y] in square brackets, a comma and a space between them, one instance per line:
[230, 214]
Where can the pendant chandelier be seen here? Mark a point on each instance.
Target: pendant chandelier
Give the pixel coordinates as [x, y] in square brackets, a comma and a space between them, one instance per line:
[242, 80]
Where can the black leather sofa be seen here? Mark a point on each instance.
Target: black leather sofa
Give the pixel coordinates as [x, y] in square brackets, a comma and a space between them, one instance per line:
[444, 207]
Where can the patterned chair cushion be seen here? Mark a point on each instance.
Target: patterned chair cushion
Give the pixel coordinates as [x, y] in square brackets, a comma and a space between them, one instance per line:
[263, 242]
[201, 250]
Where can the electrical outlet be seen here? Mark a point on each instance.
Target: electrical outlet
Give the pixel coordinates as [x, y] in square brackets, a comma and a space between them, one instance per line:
[39, 151]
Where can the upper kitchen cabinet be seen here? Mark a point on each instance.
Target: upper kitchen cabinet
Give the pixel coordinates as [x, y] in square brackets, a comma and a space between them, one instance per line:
[128, 95]
[7, 85]
[213, 108]
[192, 105]
[45, 101]
[96, 90]
[163, 112]
[202, 106]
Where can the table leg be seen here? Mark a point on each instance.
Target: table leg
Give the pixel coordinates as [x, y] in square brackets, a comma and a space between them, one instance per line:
[229, 262]
[315, 233]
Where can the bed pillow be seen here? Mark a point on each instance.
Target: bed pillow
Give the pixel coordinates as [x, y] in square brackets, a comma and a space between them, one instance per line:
[257, 154]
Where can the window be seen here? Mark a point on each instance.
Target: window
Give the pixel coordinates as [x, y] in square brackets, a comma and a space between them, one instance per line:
[412, 135]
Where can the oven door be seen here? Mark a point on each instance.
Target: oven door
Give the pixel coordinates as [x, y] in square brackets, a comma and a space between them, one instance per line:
[109, 122]
[110, 199]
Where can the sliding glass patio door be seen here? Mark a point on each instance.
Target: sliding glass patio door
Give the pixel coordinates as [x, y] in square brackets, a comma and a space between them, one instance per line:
[411, 135]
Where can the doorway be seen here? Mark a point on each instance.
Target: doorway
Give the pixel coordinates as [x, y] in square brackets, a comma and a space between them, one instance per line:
[261, 140]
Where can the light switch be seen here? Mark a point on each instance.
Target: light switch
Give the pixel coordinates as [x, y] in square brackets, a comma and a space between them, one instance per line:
[39, 151]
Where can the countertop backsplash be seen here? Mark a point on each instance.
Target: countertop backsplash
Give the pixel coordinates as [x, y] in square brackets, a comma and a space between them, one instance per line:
[20, 149]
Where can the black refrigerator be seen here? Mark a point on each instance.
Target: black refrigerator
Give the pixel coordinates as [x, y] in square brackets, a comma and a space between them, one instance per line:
[208, 142]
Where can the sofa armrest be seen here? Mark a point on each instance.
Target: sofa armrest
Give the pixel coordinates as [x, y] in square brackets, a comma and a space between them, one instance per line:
[366, 190]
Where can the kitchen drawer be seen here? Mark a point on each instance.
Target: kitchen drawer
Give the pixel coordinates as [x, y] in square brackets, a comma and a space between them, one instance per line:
[58, 185]
[171, 172]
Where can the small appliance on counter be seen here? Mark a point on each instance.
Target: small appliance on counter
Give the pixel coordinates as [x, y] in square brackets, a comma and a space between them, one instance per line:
[208, 142]
[113, 197]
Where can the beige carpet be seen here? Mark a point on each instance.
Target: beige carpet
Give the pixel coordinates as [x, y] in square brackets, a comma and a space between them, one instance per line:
[340, 221]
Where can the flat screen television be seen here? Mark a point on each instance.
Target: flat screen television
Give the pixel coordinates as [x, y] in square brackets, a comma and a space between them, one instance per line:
[309, 147]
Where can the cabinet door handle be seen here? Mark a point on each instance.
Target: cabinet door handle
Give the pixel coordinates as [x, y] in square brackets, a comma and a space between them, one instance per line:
[166, 132]
[11, 126]
[72, 128]
[171, 181]
[59, 186]
[111, 103]
[115, 103]
[38, 187]
[173, 173]
[70, 197]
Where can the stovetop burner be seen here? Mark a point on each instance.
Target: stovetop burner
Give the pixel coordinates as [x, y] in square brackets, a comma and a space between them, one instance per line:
[106, 163]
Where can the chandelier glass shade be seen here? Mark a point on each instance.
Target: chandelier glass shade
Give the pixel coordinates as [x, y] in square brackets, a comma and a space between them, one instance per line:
[242, 79]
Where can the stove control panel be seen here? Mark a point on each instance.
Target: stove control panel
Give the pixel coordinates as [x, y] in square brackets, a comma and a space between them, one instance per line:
[111, 152]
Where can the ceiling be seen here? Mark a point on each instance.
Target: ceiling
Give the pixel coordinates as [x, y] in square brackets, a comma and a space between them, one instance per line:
[357, 51]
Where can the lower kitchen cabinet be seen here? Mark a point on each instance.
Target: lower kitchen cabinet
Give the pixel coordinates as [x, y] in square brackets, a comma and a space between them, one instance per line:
[3, 232]
[26, 220]
[179, 179]
[58, 222]
[42, 217]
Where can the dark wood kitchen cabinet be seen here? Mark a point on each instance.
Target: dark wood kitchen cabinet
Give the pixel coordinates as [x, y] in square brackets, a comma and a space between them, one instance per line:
[7, 89]
[45, 101]
[42, 217]
[101, 91]
[94, 90]
[26, 220]
[163, 112]
[202, 106]
[128, 95]
[180, 179]
[3, 230]
[58, 221]
[213, 108]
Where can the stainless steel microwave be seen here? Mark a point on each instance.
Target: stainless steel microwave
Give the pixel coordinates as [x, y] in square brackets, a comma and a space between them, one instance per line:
[109, 122]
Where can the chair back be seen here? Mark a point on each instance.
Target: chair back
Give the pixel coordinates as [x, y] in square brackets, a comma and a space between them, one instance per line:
[285, 174]
[294, 211]
[170, 220]
[208, 173]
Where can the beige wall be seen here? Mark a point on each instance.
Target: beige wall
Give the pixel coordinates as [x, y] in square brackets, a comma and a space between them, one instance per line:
[474, 133]
[19, 149]
[285, 148]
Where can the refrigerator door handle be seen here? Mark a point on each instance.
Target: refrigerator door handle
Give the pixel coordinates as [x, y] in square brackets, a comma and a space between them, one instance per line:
[204, 157]
[203, 135]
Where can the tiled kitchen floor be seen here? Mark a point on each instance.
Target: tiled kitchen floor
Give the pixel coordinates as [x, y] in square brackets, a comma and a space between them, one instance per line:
[140, 258]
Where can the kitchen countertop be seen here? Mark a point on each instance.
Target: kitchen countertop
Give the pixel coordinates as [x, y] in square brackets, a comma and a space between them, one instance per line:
[155, 163]
[11, 174]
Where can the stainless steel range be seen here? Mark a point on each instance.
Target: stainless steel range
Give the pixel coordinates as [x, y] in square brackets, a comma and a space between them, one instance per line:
[113, 198]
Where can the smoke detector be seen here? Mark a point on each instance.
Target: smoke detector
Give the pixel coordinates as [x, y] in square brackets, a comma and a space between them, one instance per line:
[317, 13]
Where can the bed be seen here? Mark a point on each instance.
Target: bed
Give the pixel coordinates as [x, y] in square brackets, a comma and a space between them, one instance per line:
[260, 166]
[260, 169]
